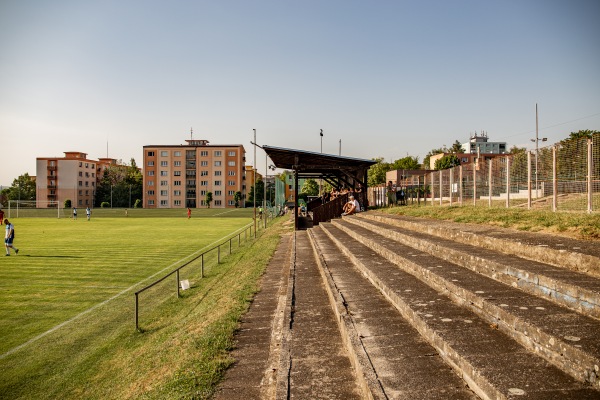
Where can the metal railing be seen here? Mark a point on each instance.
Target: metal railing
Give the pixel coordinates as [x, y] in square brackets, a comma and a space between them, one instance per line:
[199, 256]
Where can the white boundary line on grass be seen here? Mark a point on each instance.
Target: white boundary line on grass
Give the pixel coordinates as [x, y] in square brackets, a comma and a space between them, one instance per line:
[81, 314]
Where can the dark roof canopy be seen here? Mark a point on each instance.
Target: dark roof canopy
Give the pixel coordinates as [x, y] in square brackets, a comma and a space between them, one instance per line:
[317, 165]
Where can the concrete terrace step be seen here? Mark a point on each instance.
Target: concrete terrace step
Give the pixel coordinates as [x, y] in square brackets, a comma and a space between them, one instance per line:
[562, 336]
[575, 290]
[404, 364]
[473, 347]
[319, 365]
[577, 255]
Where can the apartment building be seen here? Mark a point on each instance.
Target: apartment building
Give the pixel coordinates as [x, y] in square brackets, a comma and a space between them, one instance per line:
[73, 177]
[180, 176]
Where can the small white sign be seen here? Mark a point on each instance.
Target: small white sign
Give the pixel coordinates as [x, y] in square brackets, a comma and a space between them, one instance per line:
[185, 285]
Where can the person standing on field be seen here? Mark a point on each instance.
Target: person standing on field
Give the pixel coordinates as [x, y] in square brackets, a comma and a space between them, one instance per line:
[74, 213]
[88, 212]
[9, 236]
[189, 213]
[1, 216]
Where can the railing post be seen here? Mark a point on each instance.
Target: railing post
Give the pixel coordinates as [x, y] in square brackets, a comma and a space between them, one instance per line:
[230, 246]
[507, 181]
[589, 176]
[475, 165]
[529, 180]
[137, 327]
[441, 187]
[554, 181]
[219, 254]
[460, 185]
[177, 281]
[490, 184]
[202, 265]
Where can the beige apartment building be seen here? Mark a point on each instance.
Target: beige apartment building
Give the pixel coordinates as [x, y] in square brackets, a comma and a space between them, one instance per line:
[73, 177]
[180, 176]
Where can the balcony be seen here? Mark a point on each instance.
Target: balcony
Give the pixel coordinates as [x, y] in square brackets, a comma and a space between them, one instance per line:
[51, 167]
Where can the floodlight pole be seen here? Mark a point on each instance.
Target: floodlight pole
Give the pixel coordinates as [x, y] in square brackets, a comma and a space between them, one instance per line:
[254, 182]
[265, 192]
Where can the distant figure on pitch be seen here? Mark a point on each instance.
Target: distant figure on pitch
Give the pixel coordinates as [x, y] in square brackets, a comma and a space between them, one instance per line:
[74, 213]
[1, 216]
[88, 212]
[9, 236]
[189, 212]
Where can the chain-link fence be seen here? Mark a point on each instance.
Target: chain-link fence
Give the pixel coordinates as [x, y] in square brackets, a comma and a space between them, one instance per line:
[560, 177]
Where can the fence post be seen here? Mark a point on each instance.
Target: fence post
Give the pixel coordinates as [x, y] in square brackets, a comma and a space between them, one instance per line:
[490, 184]
[441, 187]
[460, 185]
[219, 254]
[475, 182]
[137, 327]
[451, 184]
[529, 180]
[589, 175]
[507, 182]
[177, 282]
[554, 181]
[230, 246]
[202, 265]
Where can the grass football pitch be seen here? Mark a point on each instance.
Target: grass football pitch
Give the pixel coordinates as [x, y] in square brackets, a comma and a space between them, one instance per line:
[65, 267]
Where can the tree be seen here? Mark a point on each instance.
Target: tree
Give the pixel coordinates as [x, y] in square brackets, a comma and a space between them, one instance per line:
[209, 199]
[376, 174]
[408, 162]
[517, 150]
[120, 185]
[22, 188]
[237, 197]
[570, 153]
[457, 147]
[260, 186]
[447, 161]
[310, 188]
[432, 152]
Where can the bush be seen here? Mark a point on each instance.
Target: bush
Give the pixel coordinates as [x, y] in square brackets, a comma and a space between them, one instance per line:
[68, 203]
[104, 204]
[137, 204]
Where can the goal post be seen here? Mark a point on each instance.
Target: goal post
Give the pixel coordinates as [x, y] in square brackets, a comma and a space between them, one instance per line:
[33, 208]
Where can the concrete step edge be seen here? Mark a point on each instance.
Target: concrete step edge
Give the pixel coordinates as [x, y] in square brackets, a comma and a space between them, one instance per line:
[365, 372]
[565, 356]
[573, 296]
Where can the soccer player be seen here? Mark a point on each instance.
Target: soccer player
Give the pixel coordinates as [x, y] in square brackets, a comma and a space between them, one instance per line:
[9, 236]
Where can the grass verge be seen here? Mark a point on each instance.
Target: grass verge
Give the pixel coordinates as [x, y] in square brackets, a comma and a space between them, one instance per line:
[577, 225]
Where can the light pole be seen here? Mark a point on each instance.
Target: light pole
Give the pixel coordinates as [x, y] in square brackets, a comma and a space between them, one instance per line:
[321, 180]
[536, 140]
[254, 182]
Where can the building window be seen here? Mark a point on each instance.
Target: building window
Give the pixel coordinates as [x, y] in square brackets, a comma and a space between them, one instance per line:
[203, 193]
[217, 163]
[151, 163]
[218, 193]
[218, 202]
[230, 192]
[231, 173]
[150, 173]
[80, 202]
[164, 203]
[231, 163]
[87, 183]
[203, 183]
[150, 154]
[177, 163]
[177, 173]
[177, 193]
[177, 202]
[217, 183]
[150, 183]
[177, 154]
[176, 183]
[231, 203]
[164, 193]
[80, 183]
[81, 192]
[164, 153]
[204, 153]
[150, 202]
[218, 153]
[204, 163]
[80, 164]
[80, 173]
[231, 154]
[217, 173]
[203, 173]
[164, 173]
[164, 163]
[87, 165]
[231, 183]
[150, 192]
[164, 183]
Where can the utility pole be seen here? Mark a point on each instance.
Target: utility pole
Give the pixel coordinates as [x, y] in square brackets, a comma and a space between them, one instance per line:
[254, 183]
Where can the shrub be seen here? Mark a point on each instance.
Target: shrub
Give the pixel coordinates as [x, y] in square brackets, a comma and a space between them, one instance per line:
[104, 204]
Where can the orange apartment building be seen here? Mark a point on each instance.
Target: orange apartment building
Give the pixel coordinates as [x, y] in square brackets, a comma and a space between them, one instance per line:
[179, 176]
[73, 177]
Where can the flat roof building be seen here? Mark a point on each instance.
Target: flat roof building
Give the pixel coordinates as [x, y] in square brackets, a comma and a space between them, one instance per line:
[180, 176]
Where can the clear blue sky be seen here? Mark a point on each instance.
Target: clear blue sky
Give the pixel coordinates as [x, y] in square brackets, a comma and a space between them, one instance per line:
[388, 78]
